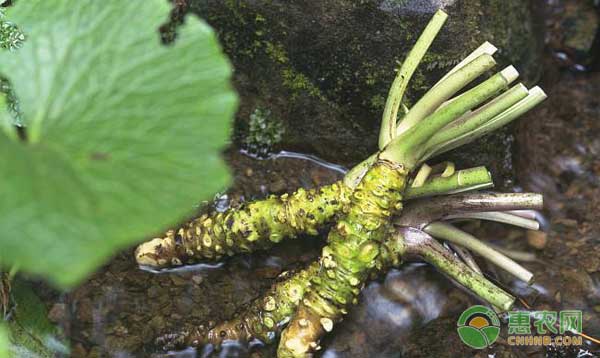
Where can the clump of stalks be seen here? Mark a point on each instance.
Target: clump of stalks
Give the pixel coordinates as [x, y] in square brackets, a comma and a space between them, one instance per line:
[382, 212]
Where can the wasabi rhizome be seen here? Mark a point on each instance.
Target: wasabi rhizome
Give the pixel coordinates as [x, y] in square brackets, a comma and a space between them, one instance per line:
[387, 209]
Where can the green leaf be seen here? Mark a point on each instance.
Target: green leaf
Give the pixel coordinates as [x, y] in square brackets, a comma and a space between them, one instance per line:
[124, 134]
[4, 341]
[31, 333]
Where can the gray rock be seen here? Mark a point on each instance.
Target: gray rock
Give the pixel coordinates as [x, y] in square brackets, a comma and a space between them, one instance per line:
[324, 67]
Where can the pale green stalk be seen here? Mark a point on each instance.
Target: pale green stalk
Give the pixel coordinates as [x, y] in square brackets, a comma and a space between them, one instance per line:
[444, 90]
[500, 217]
[422, 245]
[484, 48]
[476, 119]
[354, 175]
[421, 176]
[408, 148]
[462, 180]
[448, 232]
[396, 93]
[536, 96]
[514, 254]
[528, 214]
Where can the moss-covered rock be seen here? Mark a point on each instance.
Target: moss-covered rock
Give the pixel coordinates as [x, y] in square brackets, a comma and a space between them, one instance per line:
[324, 67]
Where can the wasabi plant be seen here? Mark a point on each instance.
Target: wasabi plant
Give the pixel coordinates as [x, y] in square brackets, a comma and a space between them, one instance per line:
[410, 240]
[371, 230]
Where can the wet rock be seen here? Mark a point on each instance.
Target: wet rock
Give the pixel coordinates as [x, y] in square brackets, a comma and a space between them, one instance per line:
[120, 346]
[560, 159]
[95, 352]
[153, 292]
[179, 280]
[85, 310]
[78, 351]
[277, 186]
[157, 322]
[267, 272]
[571, 28]
[324, 67]
[388, 312]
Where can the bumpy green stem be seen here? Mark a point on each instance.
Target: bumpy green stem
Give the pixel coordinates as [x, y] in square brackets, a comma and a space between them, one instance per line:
[261, 224]
[255, 226]
[348, 259]
[265, 317]
[423, 246]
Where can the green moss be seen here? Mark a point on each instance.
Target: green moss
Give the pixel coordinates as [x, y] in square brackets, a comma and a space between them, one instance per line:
[259, 18]
[276, 52]
[298, 82]
[377, 101]
[264, 132]
[433, 61]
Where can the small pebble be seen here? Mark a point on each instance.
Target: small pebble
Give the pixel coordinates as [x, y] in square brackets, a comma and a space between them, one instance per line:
[179, 280]
[537, 239]
[78, 351]
[197, 279]
[566, 222]
[57, 313]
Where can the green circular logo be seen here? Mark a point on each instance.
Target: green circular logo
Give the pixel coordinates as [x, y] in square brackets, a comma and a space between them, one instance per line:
[478, 327]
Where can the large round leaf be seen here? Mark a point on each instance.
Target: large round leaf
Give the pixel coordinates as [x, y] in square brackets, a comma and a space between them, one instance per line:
[123, 133]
